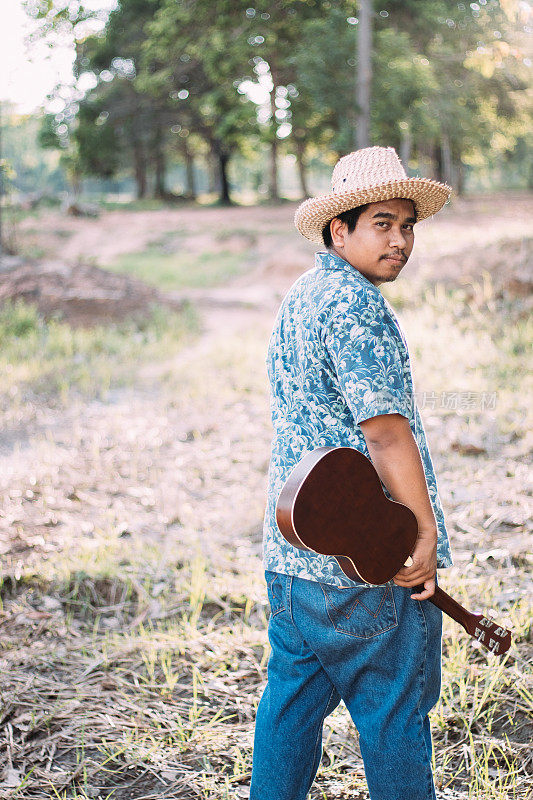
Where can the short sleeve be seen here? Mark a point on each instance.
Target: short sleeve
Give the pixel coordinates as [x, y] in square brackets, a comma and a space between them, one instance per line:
[365, 357]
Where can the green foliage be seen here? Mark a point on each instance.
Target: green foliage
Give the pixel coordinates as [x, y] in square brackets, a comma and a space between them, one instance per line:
[450, 80]
[98, 142]
[29, 166]
[406, 79]
[325, 81]
[188, 50]
[476, 79]
[19, 320]
[117, 125]
[48, 136]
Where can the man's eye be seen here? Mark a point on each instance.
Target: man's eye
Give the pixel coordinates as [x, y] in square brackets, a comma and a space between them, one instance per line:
[382, 223]
[409, 226]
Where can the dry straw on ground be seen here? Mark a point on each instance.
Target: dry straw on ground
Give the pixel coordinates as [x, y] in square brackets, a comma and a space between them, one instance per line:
[133, 615]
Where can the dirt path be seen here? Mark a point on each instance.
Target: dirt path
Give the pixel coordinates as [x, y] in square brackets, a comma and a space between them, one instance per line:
[173, 470]
[468, 236]
[207, 387]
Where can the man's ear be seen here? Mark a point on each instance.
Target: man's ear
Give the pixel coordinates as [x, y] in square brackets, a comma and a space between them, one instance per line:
[337, 225]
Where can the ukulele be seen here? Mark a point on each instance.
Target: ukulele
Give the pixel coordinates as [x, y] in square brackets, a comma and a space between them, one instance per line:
[333, 503]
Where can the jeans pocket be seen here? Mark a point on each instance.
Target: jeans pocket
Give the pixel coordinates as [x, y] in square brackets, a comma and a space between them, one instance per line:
[275, 592]
[362, 612]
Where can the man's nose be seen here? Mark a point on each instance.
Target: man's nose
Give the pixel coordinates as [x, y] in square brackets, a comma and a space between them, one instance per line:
[397, 239]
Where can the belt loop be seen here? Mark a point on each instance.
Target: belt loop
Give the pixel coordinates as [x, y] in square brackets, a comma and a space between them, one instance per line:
[289, 592]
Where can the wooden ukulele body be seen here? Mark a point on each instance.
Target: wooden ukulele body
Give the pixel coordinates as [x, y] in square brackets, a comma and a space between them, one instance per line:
[333, 503]
[317, 498]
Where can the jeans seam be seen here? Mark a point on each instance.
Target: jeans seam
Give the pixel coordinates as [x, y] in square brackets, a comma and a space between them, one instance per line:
[422, 678]
[333, 690]
[285, 601]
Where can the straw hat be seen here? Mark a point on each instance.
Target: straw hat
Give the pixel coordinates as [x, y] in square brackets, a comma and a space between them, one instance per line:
[367, 176]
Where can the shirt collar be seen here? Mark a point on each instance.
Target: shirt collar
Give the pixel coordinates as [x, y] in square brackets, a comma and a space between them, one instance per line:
[326, 260]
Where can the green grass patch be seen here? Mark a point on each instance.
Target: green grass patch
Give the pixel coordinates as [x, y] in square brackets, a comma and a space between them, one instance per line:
[147, 204]
[181, 270]
[154, 204]
[51, 358]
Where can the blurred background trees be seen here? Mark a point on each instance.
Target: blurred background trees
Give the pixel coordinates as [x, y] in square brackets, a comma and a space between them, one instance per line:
[177, 99]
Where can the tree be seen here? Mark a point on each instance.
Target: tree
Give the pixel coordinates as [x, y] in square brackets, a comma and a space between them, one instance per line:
[475, 94]
[364, 73]
[139, 121]
[447, 82]
[193, 58]
[273, 36]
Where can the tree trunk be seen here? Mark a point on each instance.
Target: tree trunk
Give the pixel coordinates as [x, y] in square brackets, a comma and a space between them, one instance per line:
[446, 160]
[273, 189]
[460, 176]
[224, 198]
[160, 165]
[274, 192]
[213, 173]
[439, 165]
[140, 169]
[405, 147]
[364, 74]
[302, 167]
[75, 183]
[425, 150]
[190, 188]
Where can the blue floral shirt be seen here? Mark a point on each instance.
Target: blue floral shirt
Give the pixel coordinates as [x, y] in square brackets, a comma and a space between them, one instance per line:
[336, 357]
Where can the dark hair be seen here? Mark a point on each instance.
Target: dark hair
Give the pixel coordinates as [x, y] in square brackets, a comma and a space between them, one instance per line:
[350, 217]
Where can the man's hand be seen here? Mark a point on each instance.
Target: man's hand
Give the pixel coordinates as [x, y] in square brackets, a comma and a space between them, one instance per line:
[423, 568]
[396, 457]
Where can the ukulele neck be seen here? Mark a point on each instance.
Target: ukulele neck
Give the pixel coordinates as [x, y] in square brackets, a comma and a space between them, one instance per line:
[453, 608]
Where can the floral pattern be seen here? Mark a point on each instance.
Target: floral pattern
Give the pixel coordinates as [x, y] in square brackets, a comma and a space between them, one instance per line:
[337, 356]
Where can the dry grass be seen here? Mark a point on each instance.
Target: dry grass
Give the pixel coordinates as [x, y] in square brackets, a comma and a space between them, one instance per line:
[134, 613]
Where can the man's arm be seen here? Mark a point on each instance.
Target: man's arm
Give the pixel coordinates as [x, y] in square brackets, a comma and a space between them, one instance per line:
[395, 455]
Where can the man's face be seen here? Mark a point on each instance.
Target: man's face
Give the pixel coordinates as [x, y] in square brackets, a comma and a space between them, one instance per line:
[381, 242]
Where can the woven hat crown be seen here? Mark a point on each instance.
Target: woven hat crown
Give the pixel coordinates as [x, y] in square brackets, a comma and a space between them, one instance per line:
[367, 168]
[366, 176]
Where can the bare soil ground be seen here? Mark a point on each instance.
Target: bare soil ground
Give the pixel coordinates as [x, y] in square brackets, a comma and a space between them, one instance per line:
[466, 237]
[133, 603]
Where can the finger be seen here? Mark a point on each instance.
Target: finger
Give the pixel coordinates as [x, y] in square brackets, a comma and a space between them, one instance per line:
[405, 569]
[412, 580]
[418, 580]
[414, 570]
[408, 572]
[428, 591]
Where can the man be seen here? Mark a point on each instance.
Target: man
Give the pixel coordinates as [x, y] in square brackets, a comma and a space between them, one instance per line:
[339, 370]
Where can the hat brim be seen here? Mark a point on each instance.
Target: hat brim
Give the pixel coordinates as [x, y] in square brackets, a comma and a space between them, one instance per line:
[312, 215]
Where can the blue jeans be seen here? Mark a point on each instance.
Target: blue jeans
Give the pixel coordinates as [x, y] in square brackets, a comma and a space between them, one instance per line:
[377, 650]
